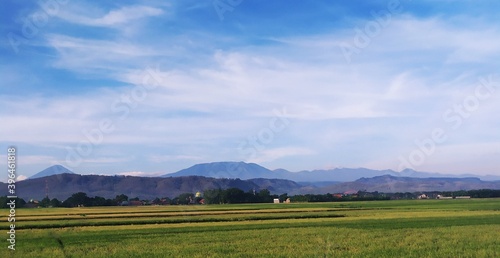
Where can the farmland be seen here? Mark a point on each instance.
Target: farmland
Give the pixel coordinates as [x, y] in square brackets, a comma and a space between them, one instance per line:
[409, 228]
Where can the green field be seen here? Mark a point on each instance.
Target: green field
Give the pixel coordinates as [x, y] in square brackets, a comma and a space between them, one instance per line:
[413, 228]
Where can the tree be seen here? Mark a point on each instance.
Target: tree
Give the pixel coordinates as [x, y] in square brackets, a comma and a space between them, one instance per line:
[299, 198]
[185, 198]
[121, 198]
[4, 202]
[234, 195]
[165, 200]
[283, 197]
[20, 202]
[213, 196]
[55, 202]
[77, 199]
[265, 196]
[99, 201]
[45, 202]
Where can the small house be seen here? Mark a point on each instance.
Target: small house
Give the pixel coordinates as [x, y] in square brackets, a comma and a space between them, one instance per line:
[423, 196]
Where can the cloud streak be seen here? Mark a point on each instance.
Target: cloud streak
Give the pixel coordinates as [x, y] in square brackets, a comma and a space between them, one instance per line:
[113, 18]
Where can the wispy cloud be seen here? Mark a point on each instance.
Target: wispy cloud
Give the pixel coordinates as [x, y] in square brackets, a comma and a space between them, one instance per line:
[120, 16]
[220, 83]
[106, 58]
[139, 173]
[167, 158]
[277, 153]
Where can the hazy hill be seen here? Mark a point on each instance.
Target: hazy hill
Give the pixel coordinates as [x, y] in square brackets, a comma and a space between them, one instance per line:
[53, 170]
[64, 185]
[388, 184]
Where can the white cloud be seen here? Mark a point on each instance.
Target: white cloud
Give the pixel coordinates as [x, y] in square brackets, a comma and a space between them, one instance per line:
[113, 18]
[457, 43]
[269, 155]
[167, 158]
[106, 58]
[140, 173]
[37, 159]
[103, 160]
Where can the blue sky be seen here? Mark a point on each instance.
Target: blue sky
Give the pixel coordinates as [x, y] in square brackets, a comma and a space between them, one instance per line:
[148, 88]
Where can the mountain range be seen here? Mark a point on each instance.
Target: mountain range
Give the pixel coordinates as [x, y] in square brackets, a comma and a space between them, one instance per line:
[244, 170]
[61, 183]
[391, 184]
[61, 186]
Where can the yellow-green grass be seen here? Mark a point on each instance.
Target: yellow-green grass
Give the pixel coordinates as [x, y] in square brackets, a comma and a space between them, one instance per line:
[419, 228]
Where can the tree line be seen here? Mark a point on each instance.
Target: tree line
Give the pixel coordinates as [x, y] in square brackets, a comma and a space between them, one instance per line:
[236, 195]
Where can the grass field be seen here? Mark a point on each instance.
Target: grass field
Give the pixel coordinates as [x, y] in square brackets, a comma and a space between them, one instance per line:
[413, 228]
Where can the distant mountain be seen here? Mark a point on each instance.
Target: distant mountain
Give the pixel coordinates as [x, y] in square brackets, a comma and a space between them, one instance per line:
[352, 174]
[336, 174]
[53, 170]
[412, 173]
[244, 170]
[279, 185]
[62, 182]
[239, 170]
[62, 186]
[389, 184]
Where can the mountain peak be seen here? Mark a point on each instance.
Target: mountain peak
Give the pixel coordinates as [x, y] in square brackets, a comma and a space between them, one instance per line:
[226, 169]
[53, 170]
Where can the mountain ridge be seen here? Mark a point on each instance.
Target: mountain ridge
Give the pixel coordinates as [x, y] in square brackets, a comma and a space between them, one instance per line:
[62, 182]
[317, 177]
[244, 170]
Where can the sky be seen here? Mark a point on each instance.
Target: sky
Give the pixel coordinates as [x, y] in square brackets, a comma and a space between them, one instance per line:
[152, 87]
